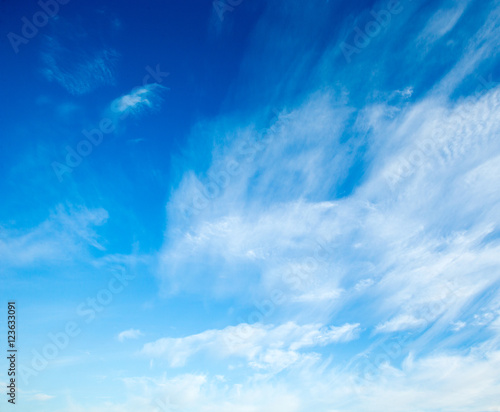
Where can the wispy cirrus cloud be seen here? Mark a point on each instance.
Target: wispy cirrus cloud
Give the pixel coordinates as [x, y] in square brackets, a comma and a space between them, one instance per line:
[401, 322]
[442, 22]
[398, 193]
[66, 232]
[140, 99]
[79, 67]
[242, 227]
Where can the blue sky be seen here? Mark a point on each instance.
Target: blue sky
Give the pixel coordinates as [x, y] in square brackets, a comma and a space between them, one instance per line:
[252, 205]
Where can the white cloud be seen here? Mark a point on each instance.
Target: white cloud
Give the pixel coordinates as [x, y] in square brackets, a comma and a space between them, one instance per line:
[399, 233]
[139, 99]
[317, 296]
[254, 342]
[405, 250]
[401, 322]
[197, 392]
[442, 22]
[63, 236]
[459, 325]
[444, 382]
[129, 334]
[41, 397]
